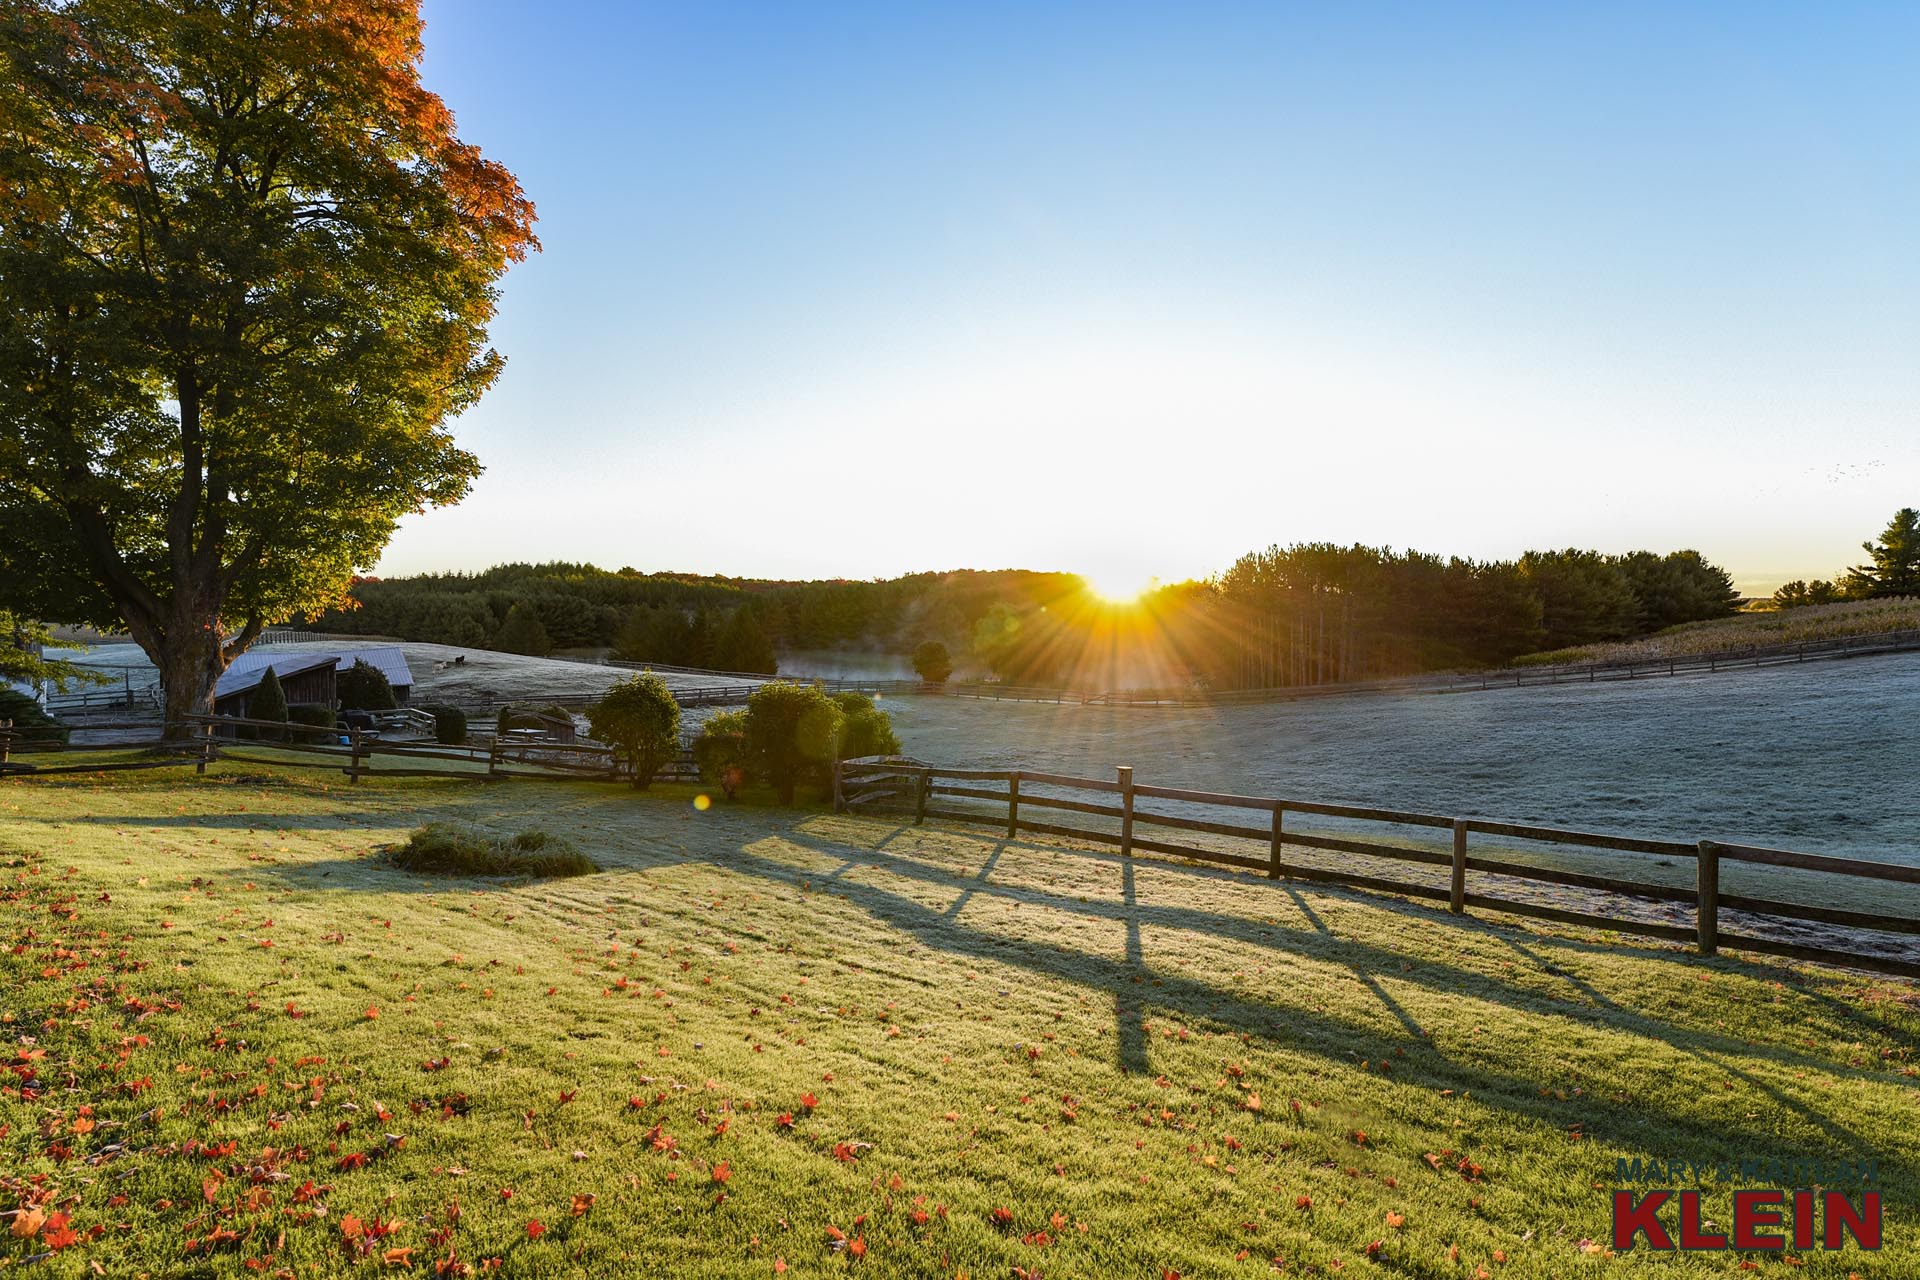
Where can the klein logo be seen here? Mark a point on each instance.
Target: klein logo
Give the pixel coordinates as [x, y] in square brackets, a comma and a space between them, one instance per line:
[1755, 1210]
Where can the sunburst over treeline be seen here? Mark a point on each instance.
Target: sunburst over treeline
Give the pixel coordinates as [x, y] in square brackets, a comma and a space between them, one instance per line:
[1312, 613]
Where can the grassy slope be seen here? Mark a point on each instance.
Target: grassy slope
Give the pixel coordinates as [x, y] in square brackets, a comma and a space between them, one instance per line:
[1108, 1051]
[1814, 624]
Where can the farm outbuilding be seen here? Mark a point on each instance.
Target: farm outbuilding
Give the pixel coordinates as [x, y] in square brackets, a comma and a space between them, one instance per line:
[306, 678]
[388, 661]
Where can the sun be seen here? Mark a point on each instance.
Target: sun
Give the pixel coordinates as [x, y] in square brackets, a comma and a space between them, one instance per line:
[1117, 586]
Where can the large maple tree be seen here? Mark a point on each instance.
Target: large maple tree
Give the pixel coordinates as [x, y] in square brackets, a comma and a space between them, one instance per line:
[246, 272]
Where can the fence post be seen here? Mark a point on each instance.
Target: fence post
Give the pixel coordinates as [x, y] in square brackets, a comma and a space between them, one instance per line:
[923, 783]
[1709, 884]
[1275, 869]
[1013, 804]
[206, 749]
[1457, 892]
[839, 796]
[1126, 809]
[6, 739]
[353, 741]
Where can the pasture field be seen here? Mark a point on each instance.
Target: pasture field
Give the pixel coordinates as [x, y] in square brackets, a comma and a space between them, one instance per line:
[767, 1042]
[1801, 757]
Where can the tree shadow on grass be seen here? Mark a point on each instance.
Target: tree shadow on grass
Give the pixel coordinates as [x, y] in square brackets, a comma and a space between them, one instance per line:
[1360, 971]
[1624, 1126]
[1134, 985]
[1364, 958]
[1689, 1046]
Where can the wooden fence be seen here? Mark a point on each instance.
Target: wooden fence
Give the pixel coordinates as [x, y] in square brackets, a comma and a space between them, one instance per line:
[1271, 847]
[360, 753]
[859, 784]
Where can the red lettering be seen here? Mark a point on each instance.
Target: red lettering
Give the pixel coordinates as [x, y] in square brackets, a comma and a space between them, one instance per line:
[1862, 1223]
[1750, 1214]
[1803, 1219]
[1630, 1219]
[1691, 1237]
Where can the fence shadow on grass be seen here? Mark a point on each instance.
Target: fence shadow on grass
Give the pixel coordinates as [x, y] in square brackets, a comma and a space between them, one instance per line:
[1135, 986]
[1318, 942]
[1317, 1032]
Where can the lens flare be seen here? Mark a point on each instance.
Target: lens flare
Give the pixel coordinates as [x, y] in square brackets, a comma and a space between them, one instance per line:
[1117, 587]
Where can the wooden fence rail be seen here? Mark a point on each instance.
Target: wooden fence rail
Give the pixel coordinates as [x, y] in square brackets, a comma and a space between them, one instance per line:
[878, 782]
[919, 786]
[362, 752]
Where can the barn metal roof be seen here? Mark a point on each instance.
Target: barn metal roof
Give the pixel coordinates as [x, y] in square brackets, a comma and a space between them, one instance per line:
[246, 669]
[238, 678]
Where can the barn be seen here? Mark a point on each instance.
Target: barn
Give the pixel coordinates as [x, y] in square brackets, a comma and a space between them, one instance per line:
[307, 677]
[389, 661]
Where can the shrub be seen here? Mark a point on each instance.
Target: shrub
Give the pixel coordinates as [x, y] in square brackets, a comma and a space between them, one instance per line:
[792, 730]
[523, 632]
[932, 662]
[445, 848]
[32, 726]
[865, 730]
[364, 687]
[449, 725]
[269, 702]
[721, 750]
[320, 721]
[640, 719]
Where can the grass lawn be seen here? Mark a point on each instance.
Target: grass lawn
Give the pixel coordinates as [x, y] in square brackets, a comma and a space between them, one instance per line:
[764, 1042]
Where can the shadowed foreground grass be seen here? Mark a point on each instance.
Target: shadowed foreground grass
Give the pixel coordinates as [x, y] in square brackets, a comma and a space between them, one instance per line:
[762, 1042]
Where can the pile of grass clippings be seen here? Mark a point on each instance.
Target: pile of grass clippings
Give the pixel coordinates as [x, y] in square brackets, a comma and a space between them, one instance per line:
[446, 848]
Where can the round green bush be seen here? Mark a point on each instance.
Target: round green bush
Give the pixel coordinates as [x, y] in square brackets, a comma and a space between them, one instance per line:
[932, 662]
[364, 687]
[319, 722]
[793, 731]
[449, 725]
[639, 717]
[721, 750]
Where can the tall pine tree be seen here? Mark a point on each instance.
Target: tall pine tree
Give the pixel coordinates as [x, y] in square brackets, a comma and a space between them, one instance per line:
[1895, 559]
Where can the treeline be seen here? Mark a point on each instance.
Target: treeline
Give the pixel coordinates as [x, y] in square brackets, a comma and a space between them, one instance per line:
[732, 624]
[1892, 569]
[1313, 613]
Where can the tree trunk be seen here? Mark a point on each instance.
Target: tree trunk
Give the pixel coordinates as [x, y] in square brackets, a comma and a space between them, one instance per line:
[190, 662]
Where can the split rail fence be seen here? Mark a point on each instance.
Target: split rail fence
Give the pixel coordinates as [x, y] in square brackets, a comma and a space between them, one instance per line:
[858, 784]
[1257, 828]
[361, 753]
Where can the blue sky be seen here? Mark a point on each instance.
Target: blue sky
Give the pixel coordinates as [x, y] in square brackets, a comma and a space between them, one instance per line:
[852, 290]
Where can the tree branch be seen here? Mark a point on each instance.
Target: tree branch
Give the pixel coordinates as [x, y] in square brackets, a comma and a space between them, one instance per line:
[239, 644]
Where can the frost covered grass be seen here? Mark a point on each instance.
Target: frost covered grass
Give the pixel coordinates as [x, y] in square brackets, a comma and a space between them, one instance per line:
[447, 848]
[764, 1042]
